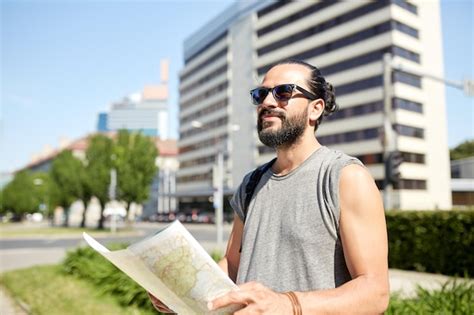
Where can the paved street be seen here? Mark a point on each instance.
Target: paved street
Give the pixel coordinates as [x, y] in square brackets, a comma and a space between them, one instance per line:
[26, 251]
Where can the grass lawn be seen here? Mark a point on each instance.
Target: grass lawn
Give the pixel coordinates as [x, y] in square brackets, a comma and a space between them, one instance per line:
[46, 290]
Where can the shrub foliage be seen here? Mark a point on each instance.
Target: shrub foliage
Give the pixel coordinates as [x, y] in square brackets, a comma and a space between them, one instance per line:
[87, 264]
[455, 297]
[432, 241]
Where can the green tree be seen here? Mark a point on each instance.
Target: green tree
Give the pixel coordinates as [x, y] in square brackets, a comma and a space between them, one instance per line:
[463, 150]
[135, 163]
[99, 163]
[19, 195]
[67, 173]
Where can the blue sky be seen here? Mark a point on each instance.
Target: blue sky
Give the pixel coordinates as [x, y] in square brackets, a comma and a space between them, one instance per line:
[62, 62]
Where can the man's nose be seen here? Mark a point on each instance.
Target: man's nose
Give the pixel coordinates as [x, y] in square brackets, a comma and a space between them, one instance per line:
[269, 101]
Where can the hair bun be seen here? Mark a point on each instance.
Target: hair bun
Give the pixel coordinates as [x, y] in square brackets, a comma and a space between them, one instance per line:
[330, 99]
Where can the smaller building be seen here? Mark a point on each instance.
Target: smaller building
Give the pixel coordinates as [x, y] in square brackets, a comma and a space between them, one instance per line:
[462, 182]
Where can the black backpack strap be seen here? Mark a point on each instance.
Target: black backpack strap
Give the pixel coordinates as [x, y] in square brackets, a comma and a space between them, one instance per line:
[250, 188]
[252, 184]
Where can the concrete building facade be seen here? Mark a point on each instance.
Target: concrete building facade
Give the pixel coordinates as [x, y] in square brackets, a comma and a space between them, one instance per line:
[346, 40]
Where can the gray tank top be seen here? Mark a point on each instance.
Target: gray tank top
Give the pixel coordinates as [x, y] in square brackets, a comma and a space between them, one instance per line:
[291, 235]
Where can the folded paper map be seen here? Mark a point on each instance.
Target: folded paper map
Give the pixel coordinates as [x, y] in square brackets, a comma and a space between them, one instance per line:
[174, 267]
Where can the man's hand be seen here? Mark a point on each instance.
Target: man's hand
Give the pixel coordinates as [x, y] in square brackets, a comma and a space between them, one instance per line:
[159, 305]
[257, 299]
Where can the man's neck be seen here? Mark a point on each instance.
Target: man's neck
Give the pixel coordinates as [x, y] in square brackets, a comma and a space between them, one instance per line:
[289, 158]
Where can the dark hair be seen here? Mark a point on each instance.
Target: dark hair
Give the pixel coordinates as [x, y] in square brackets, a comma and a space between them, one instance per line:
[319, 86]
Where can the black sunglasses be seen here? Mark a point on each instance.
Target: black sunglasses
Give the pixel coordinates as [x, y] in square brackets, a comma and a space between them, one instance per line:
[281, 93]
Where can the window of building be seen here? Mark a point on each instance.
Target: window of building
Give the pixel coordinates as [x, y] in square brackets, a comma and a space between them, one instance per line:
[194, 178]
[204, 79]
[400, 103]
[410, 157]
[407, 78]
[405, 53]
[406, 5]
[206, 47]
[203, 64]
[410, 184]
[342, 42]
[275, 6]
[206, 110]
[405, 29]
[409, 131]
[357, 110]
[359, 85]
[351, 136]
[295, 17]
[204, 95]
[210, 125]
[203, 144]
[321, 27]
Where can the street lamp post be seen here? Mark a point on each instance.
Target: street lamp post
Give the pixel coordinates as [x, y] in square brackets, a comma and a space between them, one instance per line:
[389, 136]
[112, 196]
[43, 207]
[218, 185]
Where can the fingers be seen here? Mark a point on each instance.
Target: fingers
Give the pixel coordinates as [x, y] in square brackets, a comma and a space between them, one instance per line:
[235, 297]
[158, 304]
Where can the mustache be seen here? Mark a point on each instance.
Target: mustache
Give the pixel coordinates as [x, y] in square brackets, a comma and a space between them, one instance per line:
[272, 112]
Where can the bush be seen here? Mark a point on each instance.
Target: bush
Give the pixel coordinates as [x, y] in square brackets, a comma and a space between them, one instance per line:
[432, 241]
[454, 298]
[87, 264]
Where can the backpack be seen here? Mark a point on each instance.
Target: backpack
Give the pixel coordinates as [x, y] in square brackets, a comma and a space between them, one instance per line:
[252, 184]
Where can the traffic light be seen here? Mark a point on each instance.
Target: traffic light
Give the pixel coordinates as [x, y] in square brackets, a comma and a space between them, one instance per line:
[392, 167]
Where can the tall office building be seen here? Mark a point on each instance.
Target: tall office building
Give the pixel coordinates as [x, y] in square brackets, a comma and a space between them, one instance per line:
[146, 111]
[346, 40]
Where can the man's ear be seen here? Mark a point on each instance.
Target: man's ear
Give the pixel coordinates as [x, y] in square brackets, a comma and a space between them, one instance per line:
[316, 109]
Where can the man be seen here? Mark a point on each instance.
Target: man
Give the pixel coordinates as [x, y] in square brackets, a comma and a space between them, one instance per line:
[314, 239]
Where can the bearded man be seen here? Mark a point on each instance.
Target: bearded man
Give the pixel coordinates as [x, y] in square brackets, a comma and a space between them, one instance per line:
[312, 239]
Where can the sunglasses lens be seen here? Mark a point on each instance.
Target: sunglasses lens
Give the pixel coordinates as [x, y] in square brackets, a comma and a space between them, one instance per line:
[283, 92]
[258, 95]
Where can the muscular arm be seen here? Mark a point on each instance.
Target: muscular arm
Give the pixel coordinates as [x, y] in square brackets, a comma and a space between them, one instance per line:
[364, 239]
[230, 262]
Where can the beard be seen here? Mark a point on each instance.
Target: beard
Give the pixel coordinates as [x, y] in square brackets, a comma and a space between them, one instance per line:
[289, 133]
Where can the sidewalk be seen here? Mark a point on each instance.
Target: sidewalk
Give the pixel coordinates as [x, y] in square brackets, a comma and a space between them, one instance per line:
[8, 305]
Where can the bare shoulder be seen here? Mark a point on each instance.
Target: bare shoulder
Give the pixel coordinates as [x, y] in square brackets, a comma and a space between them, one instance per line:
[357, 190]
[354, 173]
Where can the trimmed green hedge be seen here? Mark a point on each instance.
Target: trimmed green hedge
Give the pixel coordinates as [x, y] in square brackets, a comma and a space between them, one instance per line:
[432, 241]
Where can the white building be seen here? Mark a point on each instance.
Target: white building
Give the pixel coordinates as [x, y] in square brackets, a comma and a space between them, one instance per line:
[346, 40]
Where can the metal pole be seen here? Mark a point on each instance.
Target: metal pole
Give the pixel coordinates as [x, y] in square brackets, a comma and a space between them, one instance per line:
[112, 196]
[220, 202]
[387, 141]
